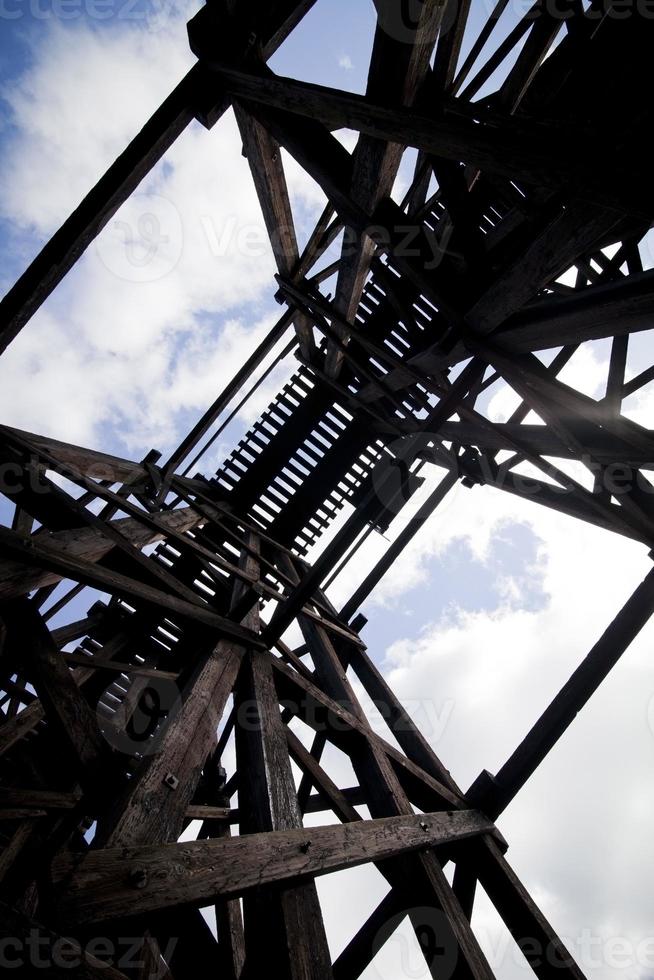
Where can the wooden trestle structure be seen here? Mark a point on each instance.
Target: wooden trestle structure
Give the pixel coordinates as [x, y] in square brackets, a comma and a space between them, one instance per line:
[462, 286]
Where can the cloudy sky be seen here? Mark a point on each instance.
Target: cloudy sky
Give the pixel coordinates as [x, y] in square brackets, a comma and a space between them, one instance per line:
[488, 612]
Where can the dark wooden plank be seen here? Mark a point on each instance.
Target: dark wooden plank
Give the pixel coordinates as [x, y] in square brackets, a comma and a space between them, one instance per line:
[397, 70]
[616, 308]
[107, 883]
[151, 809]
[265, 159]
[154, 806]
[65, 708]
[90, 462]
[64, 248]
[116, 667]
[45, 949]
[284, 931]
[540, 439]
[89, 544]
[317, 775]
[173, 116]
[522, 152]
[107, 581]
[38, 798]
[545, 952]
[326, 714]
[557, 717]
[385, 795]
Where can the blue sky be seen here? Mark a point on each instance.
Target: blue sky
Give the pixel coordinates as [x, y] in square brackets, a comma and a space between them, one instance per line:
[495, 602]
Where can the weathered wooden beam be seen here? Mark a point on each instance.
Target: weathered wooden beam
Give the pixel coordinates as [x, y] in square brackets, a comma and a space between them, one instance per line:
[284, 931]
[542, 440]
[265, 159]
[31, 946]
[450, 39]
[12, 850]
[397, 70]
[623, 306]
[90, 462]
[89, 544]
[496, 792]
[47, 799]
[531, 154]
[556, 498]
[195, 94]
[153, 808]
[64, 706]
[109, 883]
[326, 714]
[386, 797]
[363, 946]
[107, 581]
[116, 667]
[67, 244]
[326, 787]
[543, 949]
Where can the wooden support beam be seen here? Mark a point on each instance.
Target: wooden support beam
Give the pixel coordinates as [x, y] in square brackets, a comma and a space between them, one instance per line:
[284, 931]
[530, 154]
[64, 248]
[423, 875]
[31, 946]
[107, 581]
[341, 726]
[556, 498]
[397, 70]
[63, 703]
[494, 793]
[38, 799]
[195, 94]
[265, 159]
[91, 463]
[110, 883]
[542, 440]
[89, 544]
[330, 792]
[544, 951]
[616, 308]
[363, 946]
[153, 808]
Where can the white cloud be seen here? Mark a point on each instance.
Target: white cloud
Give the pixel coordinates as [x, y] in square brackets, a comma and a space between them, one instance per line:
[123, 358]
[577, 831]
[345, 62]
[176, 291]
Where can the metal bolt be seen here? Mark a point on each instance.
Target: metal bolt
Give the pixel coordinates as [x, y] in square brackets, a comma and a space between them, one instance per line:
[423, 825]
[305, 846]
[171, 781]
